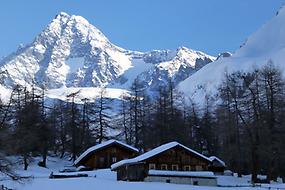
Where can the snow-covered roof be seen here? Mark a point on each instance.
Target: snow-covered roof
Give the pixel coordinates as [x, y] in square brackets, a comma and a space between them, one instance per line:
[181, 173]
[154, 152]
[102, 145]
[212, 158]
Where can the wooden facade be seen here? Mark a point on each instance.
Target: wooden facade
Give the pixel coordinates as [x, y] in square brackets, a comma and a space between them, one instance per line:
[177, 159]
[132, 172]
[172, 156]
[217, 166]
[105, 156]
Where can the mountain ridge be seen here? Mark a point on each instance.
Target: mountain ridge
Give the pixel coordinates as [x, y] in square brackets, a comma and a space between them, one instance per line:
[71, 52]
[265, 45]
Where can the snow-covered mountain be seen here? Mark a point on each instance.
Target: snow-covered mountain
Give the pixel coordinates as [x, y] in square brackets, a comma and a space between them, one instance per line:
[72, 53]
[267, 44]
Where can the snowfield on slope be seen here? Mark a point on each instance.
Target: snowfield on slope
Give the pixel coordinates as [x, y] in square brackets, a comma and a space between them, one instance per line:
[106, 179]
[90, 93]
[263, 46]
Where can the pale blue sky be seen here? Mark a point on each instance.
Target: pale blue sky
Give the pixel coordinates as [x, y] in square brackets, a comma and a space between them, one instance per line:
[211, 26]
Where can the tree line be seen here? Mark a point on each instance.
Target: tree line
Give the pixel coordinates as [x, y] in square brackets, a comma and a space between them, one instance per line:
[243, 125]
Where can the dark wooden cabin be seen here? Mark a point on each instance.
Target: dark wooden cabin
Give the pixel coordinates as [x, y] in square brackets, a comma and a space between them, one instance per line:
[218, 166]
[172, 156]
[105, 154]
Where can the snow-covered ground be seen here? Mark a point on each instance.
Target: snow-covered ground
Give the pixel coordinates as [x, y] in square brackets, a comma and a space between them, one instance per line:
[137, 67]
[91, 93]
[5, 93]
[106, 179]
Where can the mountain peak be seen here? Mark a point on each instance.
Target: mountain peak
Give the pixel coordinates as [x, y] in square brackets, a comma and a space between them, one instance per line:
[182, 48]
[65, 18]
[188, 54]
[72, 29]
[62, 14]
[71, 52]
[62, 17]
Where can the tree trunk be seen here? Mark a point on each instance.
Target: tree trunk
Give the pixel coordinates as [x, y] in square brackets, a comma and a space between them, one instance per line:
[26, 164]
[255, 161]
[44, 161]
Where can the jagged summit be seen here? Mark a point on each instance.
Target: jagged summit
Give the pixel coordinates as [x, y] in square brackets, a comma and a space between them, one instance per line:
[72, 26]
[62, 14]
[71, 52]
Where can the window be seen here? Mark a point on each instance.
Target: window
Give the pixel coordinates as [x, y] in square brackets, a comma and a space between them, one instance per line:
[174, 167]
[198, 168]
[163, 167]
[187, 168]
[151, 166]
[195, 183]
[114, 159]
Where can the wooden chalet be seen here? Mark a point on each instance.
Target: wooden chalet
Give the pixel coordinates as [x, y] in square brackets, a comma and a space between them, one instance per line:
[172, 156]
[105, 154]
